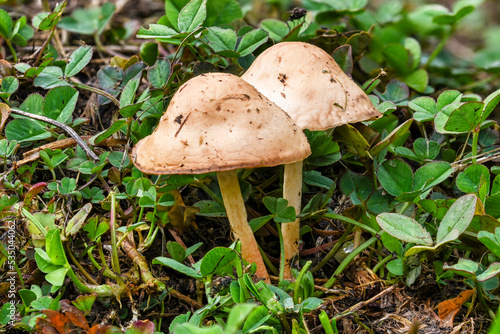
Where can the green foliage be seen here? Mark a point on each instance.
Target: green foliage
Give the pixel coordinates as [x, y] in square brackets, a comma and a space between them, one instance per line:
[46, 21]
[88, 21]
[17, 32]
[420, 181]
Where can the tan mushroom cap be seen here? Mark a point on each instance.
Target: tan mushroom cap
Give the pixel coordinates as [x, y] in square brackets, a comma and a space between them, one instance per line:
[309, 85]
[218, 122]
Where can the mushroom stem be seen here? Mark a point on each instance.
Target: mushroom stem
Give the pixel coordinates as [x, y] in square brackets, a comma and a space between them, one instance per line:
[236, 213]
[292, 191]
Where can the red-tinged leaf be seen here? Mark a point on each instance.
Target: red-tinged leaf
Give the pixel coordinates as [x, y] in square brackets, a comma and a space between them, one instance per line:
[102, 329]
[74, 315]
[141, 327]
[34, 190]
[58, 320]
[448, 308]
[43, 326]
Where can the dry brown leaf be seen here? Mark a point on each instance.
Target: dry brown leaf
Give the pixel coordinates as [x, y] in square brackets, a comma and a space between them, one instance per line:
[4, 114]
[100, 329]
[6, 69]
[448, 308]
[183, 217]
[55, 319]
[74, 315]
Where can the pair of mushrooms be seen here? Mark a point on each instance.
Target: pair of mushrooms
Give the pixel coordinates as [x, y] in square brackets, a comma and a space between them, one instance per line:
[220, 122]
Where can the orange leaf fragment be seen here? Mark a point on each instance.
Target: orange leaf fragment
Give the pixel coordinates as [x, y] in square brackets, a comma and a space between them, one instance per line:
[57, 320]
[449, 308]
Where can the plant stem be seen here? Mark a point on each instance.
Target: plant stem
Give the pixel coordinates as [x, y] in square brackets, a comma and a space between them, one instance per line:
[334, 250]
[44, 46]
[200, 184]
[107, 290]
[404, 207]
[475, 138]
[115, 264]
[107, 272]
[98, 43]
[53, 174]
[153, 229]
[381, 263]
[298, 283]
[31, 218]
[11, 48]
[284, 322]
[331, 215]
[479, 292]
[268, 263]
[150, 238]
[440, 46]
[97, 91]
[282, 252]
[348, 260]
[142, 263]
[78, 265]
[63, 126]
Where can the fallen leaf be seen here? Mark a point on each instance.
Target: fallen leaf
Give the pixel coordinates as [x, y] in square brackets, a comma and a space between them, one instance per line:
[74, 315]
[101, 329]
[57, 320]
[181, 216]
[6, 69]
[141, 327]
[448, 308]
[4, 114]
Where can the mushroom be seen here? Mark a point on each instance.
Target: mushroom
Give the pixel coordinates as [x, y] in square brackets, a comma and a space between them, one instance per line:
[308, 84]
[217, 122]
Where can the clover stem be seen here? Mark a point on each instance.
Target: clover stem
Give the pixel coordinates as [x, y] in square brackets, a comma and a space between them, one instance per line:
[98, 43]
[348, 260]
[69, 253]
[153, 230]
[334, 250]
[104, 290]
[268, 263]
[296, 290]
[292, 191]
[282, 252]
[44, 46]
[381, 263]
[11, 48]
[107, 271]
[475, 138]
[97, 91]
[115, 263]
[482, 301]
[236, 213]
[440, 45]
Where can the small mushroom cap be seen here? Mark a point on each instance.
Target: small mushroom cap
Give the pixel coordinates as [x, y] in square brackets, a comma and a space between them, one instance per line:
[307, 83]
[217, 122]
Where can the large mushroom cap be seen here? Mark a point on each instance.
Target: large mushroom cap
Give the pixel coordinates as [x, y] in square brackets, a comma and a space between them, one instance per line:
[307, 83]
[218, 122]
